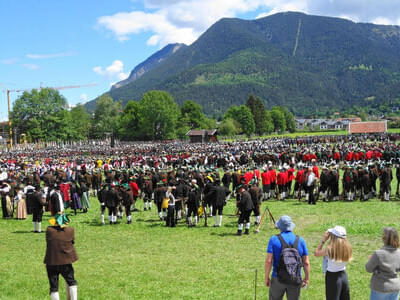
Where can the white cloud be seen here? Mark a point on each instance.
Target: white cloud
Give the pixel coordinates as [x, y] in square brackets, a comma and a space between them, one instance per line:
[176, 20]
[172, 21]
[83, 97]
[123, 76]
[31, 66]
[262, 15]
[113, 71]
[381, 21]
[9, 61]
[51, 55]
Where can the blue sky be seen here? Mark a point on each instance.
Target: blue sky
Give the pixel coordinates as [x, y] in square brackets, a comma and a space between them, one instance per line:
[70, 42]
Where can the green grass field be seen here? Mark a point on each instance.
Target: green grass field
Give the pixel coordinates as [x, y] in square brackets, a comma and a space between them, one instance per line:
[146, 260]
[298, 134]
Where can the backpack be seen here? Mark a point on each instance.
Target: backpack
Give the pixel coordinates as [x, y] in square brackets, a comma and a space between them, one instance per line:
[289, 263]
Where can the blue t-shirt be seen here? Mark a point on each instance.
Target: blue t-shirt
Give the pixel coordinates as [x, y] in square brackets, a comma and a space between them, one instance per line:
[275, 247]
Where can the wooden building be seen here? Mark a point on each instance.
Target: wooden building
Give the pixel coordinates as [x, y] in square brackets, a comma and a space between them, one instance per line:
[202, 136]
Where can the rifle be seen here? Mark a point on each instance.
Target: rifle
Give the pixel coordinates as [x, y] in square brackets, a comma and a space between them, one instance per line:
[271, 216]
[262, 218]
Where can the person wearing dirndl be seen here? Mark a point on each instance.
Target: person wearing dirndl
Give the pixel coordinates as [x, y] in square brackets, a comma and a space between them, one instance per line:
[19, 200]
[84, 196]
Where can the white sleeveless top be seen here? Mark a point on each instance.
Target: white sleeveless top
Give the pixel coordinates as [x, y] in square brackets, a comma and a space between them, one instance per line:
[333, 266]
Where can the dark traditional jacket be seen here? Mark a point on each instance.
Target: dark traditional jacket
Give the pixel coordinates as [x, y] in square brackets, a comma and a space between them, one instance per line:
[60, 246]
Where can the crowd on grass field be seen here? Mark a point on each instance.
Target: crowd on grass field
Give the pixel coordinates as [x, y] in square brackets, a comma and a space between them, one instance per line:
[193, 182]
[186, 181]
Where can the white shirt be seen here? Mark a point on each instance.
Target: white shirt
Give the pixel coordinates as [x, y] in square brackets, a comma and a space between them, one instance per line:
[335, 266]
[6, 189]
[310, 179]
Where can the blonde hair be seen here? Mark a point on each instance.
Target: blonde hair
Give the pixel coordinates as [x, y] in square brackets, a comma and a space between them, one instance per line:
[339, 249]
[390, 237]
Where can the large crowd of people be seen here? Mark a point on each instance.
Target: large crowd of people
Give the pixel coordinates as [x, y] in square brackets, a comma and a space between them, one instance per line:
[191, 175]
[193, 182]
[186, 181]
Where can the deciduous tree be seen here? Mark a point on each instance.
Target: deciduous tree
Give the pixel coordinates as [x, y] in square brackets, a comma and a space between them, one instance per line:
[243, 116]
[106, 116]
[40, 114]
[159, 115]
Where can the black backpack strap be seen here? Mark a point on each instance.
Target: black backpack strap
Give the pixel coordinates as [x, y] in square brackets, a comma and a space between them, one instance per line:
[284, 245]
[296, 243]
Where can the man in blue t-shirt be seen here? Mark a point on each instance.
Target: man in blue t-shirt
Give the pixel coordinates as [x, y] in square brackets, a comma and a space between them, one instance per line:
[277, 289]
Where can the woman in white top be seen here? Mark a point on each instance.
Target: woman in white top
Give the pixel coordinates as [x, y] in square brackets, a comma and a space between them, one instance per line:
[170, 221]
[336, 255]
[19, 199]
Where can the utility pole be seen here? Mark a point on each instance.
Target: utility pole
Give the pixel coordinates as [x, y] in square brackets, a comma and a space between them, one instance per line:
[9, 118]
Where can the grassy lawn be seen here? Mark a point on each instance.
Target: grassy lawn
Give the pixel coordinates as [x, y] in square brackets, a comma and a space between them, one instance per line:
[394, 130]
[285, 135]
[297, 134]
[146, 260]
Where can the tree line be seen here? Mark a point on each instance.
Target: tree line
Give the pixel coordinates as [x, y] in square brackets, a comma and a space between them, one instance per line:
[253, 118]
[44, 115]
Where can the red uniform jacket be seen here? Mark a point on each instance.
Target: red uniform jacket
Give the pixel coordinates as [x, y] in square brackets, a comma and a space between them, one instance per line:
[282, 178]
[290, 174]
[272, 175]
[336, 156]
[265, 177]
[248, 176]
[369, 155]
[316, 171]
[134, 188]
[64, 189]
[299, 176]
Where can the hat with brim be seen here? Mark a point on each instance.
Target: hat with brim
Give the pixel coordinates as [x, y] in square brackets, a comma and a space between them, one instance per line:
[285, 223]
[59, 220]
[338, 231]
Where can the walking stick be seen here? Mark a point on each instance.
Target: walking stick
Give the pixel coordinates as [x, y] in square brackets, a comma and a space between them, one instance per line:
[255, 286]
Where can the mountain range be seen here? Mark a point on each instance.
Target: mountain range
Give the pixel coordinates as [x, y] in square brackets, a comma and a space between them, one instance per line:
[307, 63]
